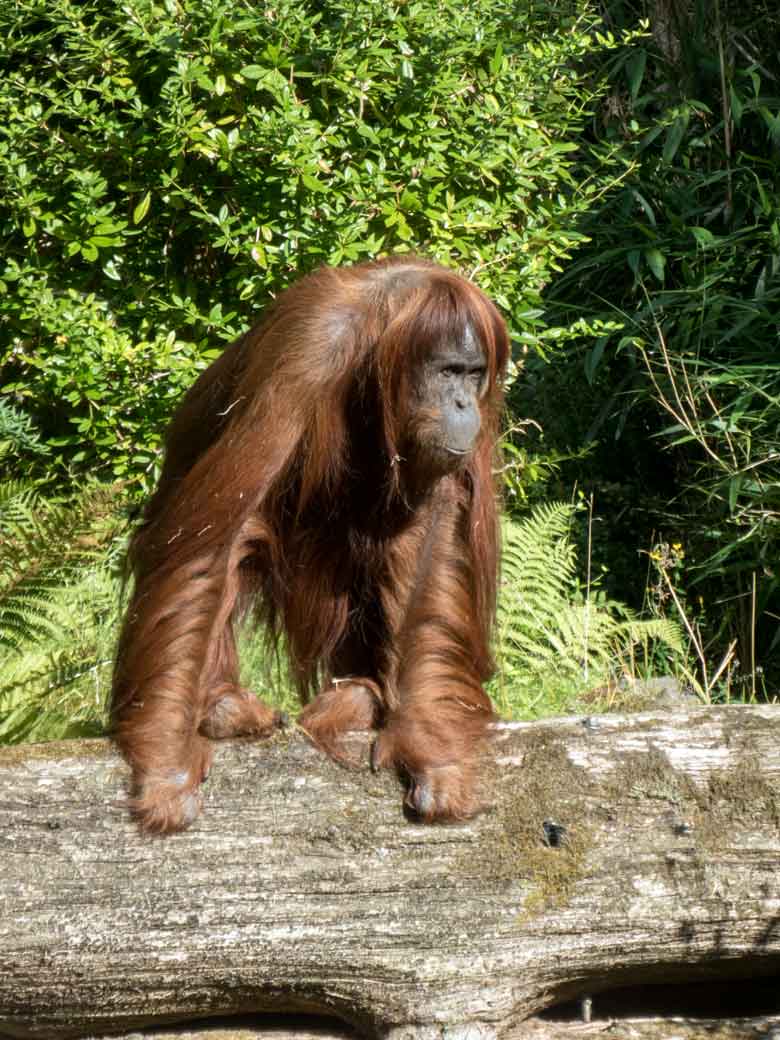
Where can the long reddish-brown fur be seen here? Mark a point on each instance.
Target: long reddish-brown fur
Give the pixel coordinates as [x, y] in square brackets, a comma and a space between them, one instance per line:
[286, 486]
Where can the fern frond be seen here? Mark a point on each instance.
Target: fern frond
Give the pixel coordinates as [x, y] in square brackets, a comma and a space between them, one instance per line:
[18, 432]
[538, 557]
[45, 545]
[547, 634]
[56, 685]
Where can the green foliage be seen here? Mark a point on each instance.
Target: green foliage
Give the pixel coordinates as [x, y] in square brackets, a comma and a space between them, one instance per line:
[265, 672]
[46, 544]
[684, 257]
[59, 598]
[55, 684]
[103, 397]
[18, 434]
[554, 643]
[158, 159]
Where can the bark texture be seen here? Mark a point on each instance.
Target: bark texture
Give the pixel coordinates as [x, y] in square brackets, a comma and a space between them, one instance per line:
[619, 850]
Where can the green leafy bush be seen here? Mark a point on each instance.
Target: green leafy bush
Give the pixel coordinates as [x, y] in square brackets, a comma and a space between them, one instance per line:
[679, 401]
[102, 395]
[166, 166]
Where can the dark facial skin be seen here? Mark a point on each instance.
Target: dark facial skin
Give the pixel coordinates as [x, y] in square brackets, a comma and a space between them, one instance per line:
[452, 380]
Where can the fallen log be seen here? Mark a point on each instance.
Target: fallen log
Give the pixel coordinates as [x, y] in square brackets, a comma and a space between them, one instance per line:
[618, 851]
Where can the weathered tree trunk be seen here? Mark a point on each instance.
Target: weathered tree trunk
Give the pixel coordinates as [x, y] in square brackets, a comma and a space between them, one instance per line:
[619, 850]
